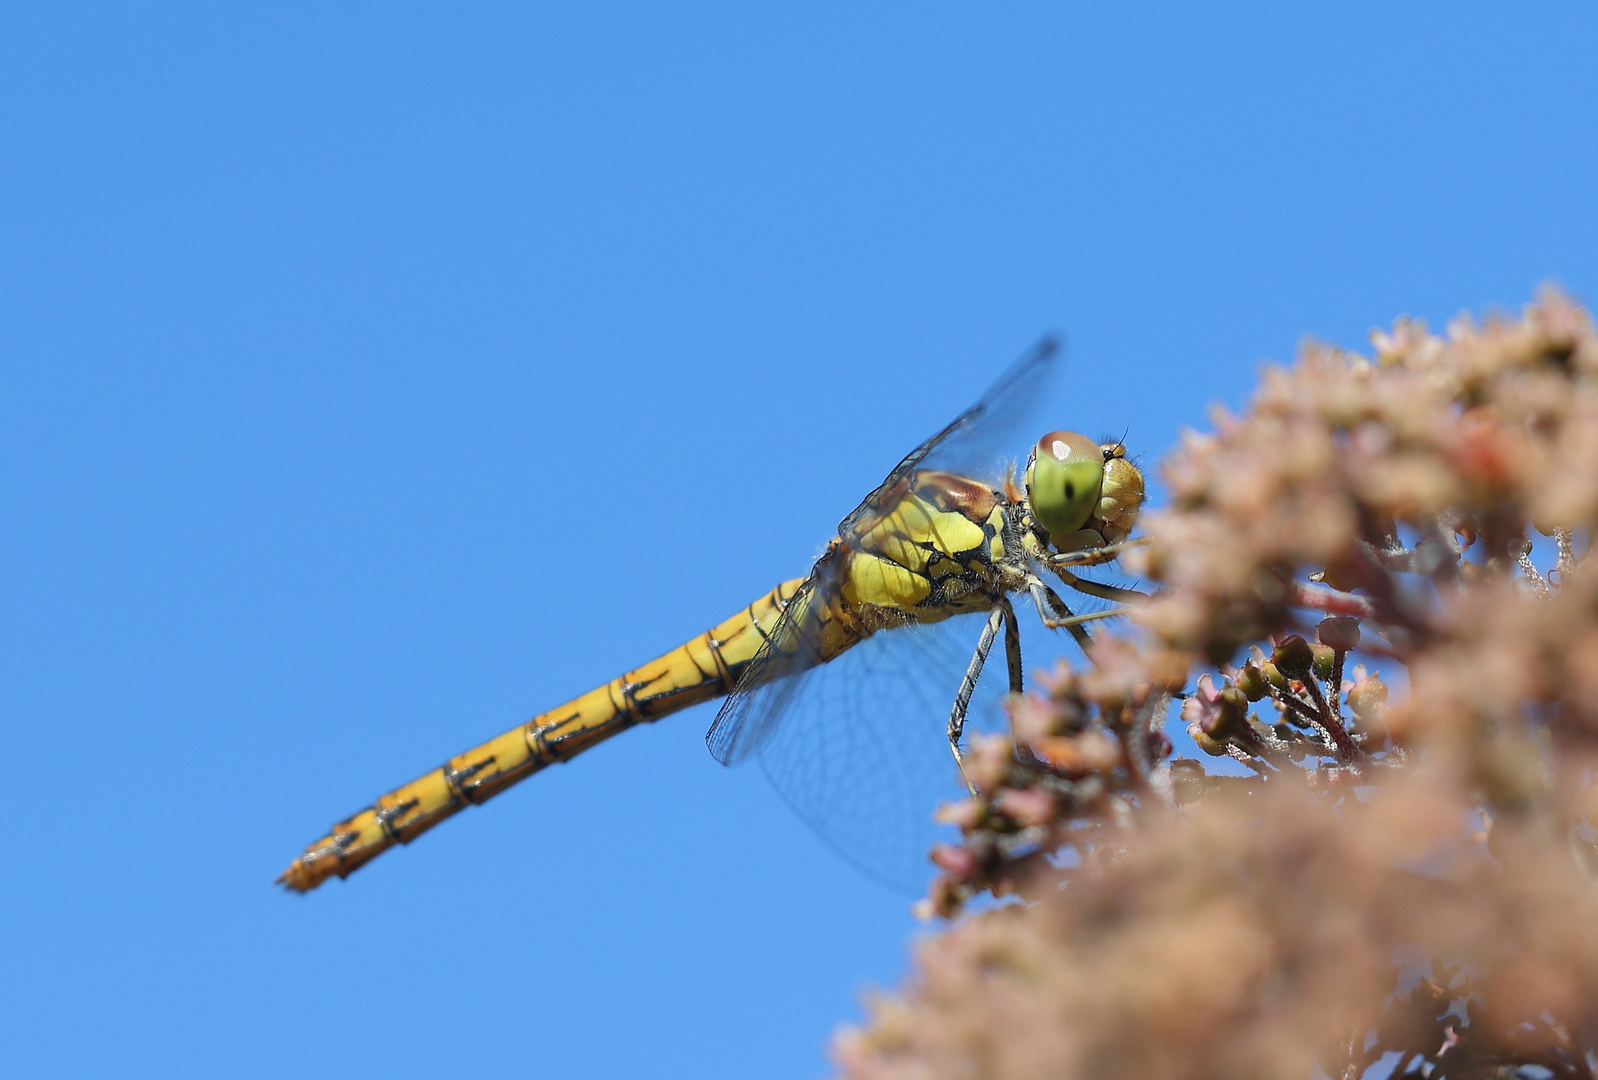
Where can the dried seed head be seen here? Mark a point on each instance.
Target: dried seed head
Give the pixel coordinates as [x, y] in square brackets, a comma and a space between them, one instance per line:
[1273, 675]
[1325, 661]
[1339, 632]
[1368, 699]
[1251, 680]
[1294, 658]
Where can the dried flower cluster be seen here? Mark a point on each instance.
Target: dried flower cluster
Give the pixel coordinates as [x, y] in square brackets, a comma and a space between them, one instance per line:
[1354, 880]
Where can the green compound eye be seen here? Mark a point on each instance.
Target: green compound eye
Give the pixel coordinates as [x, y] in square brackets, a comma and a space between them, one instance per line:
[1063, 481]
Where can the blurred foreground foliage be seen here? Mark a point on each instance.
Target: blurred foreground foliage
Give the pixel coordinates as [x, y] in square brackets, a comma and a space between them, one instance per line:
[1356, 880]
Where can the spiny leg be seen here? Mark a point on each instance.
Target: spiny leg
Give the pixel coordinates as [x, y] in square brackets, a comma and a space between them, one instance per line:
[1054, 613]
[1012, 647]
[968, 683]
[1103, 592]
[1002, 612]
[1092, 556]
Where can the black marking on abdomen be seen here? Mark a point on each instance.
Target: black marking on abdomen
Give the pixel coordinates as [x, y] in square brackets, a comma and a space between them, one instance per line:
[386, 815]
[457, 779]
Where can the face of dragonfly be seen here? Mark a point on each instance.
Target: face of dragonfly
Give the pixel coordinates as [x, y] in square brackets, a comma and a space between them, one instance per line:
[1084, 494]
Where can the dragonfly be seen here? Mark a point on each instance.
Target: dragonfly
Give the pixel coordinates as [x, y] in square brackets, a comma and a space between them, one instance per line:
[956, 533]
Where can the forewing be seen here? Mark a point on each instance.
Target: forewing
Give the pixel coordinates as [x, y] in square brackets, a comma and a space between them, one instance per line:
[981, 441]
[977, 444]
[858, 746]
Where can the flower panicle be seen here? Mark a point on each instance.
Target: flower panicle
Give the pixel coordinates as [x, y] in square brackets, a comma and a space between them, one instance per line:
[1374, 621]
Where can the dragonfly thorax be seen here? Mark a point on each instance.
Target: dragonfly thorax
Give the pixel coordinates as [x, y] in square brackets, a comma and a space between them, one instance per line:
[932, 546]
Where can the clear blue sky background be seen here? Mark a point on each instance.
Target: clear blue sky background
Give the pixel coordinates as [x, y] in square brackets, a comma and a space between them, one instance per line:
[373, 376]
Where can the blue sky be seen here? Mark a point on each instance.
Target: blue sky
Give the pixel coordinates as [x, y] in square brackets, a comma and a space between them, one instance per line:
[373, 377]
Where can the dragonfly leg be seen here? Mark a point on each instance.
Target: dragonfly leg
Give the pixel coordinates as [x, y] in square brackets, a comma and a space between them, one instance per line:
[1012, 647]
[1093, 556]
[1003, 614]
[1054, 613]
[1103, 592]
[968, 684]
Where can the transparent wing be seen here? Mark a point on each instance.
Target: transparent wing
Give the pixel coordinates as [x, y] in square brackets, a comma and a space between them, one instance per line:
[858, 745]
[862, 752]
[978, 443]
[753, 710]
[981, 441]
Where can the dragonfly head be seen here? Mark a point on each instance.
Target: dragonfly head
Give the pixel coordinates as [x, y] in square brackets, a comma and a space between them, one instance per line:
[1121, 498]
[1083, 493]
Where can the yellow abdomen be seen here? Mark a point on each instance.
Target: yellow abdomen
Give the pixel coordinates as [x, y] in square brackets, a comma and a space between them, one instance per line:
[704, 668]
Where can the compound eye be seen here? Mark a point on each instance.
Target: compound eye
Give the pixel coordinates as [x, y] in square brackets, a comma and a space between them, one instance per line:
[1064, 480]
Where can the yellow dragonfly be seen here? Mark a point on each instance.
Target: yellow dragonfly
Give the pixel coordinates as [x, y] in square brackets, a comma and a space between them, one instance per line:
[941, 545]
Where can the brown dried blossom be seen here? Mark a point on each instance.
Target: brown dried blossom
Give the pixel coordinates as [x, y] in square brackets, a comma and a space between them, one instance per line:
[1355, 879]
